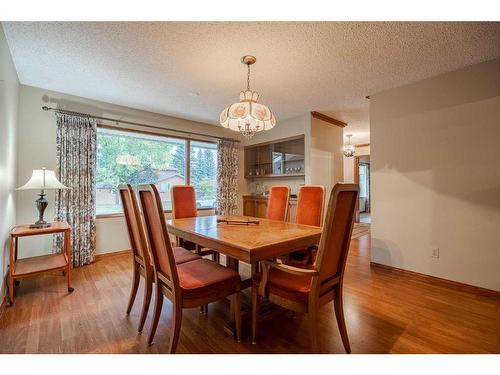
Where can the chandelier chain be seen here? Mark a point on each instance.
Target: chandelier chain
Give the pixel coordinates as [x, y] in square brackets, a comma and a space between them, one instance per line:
[248, 77]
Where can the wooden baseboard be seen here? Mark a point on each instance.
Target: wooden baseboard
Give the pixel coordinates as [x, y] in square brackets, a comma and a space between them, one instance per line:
[443, 282]
[114, 253]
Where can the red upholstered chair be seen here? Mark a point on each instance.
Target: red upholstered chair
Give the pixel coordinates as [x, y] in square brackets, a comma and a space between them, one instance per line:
[310, 205]
[140, 252]
[183, 206]
[306, 289]
[309, 212]
[183, 201]
[277, 204]
[186, 285]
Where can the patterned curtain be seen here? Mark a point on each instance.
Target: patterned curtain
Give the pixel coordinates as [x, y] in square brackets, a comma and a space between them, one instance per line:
[227, 177]
[76, 163]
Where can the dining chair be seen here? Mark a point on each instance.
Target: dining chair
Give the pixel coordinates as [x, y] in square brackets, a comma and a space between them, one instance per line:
[310, 203]
[277, 203]
[186, 285]
[305, 289]
[184, 206]
[140, 252]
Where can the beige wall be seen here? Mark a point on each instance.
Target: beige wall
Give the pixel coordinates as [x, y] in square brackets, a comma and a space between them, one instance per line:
[349, 163]
[436, 175]
[9, 96]
[37, 148]
[327, 159]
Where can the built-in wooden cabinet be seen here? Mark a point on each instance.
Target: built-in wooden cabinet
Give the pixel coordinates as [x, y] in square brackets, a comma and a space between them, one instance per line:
[282, 158]
[256, 206]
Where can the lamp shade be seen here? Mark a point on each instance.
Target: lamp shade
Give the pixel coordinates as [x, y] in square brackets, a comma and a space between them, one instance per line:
[247, 116]
[42, 179]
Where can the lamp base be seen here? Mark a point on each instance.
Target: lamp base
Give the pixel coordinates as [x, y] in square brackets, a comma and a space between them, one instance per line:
[43, 224]
[41, 204]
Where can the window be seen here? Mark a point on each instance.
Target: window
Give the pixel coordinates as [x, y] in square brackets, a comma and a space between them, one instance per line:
[203, 170]
[136, 158]
[363, 180]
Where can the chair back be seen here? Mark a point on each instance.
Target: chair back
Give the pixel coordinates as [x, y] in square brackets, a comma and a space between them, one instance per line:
[157, 234]
[135, 227]
[183, 201]
[310, 205]
[337, 230]
[277, 204]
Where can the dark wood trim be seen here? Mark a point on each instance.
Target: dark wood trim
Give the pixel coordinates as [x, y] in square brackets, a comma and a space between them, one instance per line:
[356, 170]
[362, 145]
[111, 254]
[108, 216]
[330, 120]
[444, 282]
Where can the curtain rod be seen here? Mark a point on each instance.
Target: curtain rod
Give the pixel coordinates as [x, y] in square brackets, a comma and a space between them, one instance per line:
[45, 108]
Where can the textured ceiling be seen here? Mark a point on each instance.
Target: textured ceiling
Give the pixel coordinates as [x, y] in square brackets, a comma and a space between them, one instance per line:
[192, 70]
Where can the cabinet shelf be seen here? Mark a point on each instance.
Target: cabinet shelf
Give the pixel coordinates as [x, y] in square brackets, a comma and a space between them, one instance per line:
[262, 160]
[284, 175]
[29, 266]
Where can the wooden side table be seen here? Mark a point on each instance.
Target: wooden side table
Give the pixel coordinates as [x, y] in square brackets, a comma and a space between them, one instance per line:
[26, 267]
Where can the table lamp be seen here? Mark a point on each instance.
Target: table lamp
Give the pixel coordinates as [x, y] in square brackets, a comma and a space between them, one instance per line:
[42, 179]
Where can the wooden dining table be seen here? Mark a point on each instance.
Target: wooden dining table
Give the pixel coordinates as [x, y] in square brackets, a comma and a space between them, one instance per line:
[249, 243]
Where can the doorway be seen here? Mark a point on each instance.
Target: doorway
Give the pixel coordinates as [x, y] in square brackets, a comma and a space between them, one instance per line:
[362, 177]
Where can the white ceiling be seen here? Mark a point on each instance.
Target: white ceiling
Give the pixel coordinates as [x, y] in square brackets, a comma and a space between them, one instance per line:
[192, 70]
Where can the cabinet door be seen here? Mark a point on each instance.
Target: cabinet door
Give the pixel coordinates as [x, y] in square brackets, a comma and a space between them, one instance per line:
[248, 207]
[261, 208]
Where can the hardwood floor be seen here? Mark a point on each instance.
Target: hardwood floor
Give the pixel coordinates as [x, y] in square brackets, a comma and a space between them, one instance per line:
[386, 312]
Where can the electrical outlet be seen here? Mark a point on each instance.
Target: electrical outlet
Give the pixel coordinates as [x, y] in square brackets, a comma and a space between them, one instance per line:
[435, 253]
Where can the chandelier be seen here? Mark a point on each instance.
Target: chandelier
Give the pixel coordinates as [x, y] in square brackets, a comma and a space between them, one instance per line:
[349, 149]
[247, 116]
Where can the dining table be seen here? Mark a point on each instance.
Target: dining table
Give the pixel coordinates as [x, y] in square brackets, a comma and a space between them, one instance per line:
[244, 239]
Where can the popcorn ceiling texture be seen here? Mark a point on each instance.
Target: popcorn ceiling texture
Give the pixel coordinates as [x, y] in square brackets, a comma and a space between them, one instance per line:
[162, 67]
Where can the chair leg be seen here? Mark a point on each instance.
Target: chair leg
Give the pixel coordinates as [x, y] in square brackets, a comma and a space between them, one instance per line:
[148, 288]
[255, 309]
[338, 305]
[135, 285]
[204, 309]
[176, 329]
[313, 327]
[237, 314]
[156, 313]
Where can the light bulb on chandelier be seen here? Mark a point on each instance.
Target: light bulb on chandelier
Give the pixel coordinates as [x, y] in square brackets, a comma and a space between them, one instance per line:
[349, 149]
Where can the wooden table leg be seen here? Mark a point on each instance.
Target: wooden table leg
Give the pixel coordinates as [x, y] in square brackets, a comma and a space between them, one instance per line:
[235, 265]
[232, 263]
[15, 249]
[255, 269]
[67, 241]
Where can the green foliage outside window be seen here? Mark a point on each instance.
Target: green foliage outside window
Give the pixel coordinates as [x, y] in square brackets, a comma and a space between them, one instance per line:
[126, 157]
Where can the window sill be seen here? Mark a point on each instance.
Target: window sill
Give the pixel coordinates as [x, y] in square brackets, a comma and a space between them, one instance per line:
[110, 216]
